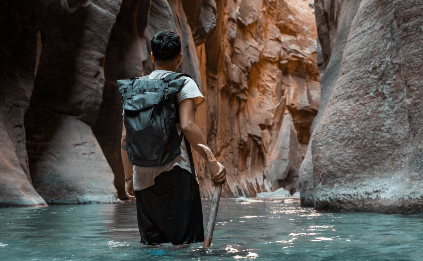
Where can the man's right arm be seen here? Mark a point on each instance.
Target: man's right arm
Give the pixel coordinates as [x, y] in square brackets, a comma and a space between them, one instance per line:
[194, 136]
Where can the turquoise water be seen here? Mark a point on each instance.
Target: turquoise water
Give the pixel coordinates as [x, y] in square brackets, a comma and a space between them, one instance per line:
[255, 230]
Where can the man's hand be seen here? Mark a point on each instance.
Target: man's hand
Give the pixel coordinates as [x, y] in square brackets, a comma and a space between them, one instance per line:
[129, 189]
[219, 178]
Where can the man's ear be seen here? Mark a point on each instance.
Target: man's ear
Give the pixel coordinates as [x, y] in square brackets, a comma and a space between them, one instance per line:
[152, 57]
[179, 58]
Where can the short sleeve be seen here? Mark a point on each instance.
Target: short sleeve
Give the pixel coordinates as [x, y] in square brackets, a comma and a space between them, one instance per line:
[191, 91]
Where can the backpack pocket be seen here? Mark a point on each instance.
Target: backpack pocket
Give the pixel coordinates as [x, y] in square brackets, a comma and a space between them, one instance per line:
[145, 141]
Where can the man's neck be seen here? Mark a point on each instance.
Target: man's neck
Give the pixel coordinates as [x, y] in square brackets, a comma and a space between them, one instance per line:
[166, 68]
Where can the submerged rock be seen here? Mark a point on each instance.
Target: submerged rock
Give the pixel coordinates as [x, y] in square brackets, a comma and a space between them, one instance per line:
[366, 151]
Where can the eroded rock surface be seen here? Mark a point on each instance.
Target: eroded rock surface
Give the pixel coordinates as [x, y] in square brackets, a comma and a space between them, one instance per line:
[20, 49]
[262, 94]
[65, 161]
[366, 150]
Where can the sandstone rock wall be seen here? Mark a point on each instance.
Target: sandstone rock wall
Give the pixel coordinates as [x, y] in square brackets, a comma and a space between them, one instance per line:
[366, 150]
[20, 50]
[51, 85]
[66, 162]
[262, 94]
[60, 110]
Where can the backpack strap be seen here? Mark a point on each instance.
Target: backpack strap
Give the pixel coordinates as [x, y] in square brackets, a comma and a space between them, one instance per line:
[191, 160]
[167, 79]
[174, 76]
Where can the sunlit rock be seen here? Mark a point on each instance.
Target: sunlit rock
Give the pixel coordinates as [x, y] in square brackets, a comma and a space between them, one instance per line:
[261, 64]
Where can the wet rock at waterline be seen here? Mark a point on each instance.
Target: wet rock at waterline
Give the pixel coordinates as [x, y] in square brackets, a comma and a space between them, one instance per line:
[67, 165]
[366, 150]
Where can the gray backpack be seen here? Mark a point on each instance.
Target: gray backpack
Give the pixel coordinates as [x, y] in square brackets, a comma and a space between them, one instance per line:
[150, 113]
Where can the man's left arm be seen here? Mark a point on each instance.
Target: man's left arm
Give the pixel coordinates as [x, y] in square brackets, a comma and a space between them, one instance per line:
[127, 168]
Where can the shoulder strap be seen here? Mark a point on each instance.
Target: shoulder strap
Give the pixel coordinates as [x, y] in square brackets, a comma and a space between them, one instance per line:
[191, 160]
[169, 78]
[174, 76]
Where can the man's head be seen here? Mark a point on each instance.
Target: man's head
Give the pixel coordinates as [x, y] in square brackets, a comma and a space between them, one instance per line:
[166, 48]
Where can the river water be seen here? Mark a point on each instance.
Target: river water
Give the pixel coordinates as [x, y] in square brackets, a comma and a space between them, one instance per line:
[251, 230]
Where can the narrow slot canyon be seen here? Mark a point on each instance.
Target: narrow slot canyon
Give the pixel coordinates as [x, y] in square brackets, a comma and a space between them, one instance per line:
[321, 99]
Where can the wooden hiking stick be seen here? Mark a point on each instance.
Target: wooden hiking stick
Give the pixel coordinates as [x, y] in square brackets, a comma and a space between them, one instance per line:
[216, 197]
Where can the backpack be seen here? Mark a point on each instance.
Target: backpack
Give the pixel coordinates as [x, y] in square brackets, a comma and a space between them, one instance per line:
[150, 112]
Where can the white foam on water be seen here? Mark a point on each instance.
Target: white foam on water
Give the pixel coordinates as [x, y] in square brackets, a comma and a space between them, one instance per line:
[277, 193]
[3, 245]
[241, 199]
[112, 243]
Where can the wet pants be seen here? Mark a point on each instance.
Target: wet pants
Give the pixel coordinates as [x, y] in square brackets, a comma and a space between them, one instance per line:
[170, 210]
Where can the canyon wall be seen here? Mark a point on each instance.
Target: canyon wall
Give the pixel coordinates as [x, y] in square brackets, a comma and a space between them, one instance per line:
[20, 50]
[366, 150]
[51, 90]
[61, 117]
[262, 91]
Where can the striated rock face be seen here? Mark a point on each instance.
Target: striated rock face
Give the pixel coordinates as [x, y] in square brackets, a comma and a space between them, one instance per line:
[262, 91]
[366, 151]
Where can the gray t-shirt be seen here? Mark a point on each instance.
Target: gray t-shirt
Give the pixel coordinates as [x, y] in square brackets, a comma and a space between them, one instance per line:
[144, 176]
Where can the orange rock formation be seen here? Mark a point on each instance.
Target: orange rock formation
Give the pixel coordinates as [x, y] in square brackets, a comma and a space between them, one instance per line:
[260, 78]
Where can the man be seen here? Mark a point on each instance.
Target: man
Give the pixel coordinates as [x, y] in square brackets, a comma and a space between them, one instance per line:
[168, 197]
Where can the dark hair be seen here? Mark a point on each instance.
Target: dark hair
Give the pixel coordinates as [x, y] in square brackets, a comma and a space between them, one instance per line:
[166, 45]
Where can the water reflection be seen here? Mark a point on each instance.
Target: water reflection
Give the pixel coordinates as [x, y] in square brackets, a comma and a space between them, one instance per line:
[257, 229]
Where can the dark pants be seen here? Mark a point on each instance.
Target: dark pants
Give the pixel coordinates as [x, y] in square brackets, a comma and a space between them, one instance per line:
[170, 210]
